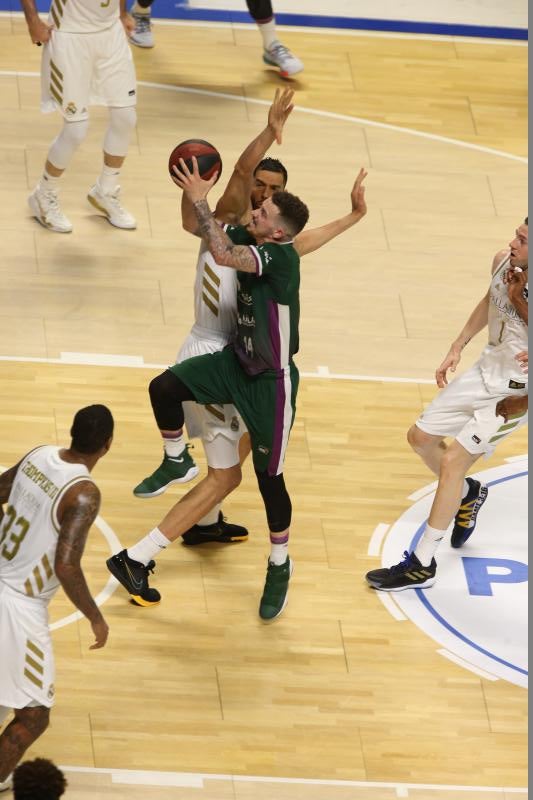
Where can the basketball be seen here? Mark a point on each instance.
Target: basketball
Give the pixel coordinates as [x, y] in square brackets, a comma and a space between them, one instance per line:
[208, 157]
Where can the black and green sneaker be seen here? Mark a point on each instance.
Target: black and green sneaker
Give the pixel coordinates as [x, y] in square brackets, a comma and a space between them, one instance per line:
[220, 531]
[171, 470]
[276, 589]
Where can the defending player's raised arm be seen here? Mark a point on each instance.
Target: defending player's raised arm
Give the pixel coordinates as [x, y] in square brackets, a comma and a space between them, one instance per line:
[236, 198]
[77, 511]
[39, 31]
[309, 240]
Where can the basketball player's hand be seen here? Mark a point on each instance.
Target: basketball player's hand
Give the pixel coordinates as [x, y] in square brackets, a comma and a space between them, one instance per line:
[279, 111]
[128, 22]
[511, 406]
[516, 282]
[101, 632]
[450, 363]
[39, 31]
[522, 359]
[358, 194]
[192, 183]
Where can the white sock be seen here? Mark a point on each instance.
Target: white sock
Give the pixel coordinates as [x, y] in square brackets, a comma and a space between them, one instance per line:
[279, 553]
[49, 181]
[108, 179]
[149, 547]
[268, 33]
[211, 517]
[174, 447]
[428, 545]
[466, 489]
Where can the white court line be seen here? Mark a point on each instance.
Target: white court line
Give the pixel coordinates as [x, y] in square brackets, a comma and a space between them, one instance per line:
[390, 605]
[431, 487]
[374, 545]
[246, 26]
[467, 665]
[512, 459]
[313, 112]
[197, 780]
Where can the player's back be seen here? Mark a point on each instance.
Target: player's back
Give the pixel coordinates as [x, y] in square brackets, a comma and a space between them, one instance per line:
[83, 16]
[30, 528]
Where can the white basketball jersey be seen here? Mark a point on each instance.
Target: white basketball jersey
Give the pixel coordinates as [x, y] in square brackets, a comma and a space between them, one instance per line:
[83, 16]
[215, 296]
[29, 529]
[507, 338]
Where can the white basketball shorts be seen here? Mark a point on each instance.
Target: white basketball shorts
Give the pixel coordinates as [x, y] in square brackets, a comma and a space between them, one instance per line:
[466, 410]
[83, 69]
[219, 427]
[27, 668]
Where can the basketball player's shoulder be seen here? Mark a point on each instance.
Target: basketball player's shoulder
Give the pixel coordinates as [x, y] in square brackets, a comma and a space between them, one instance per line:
[499, 258]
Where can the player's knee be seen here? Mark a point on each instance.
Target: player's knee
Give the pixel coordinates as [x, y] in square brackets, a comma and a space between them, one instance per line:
[419, 440]
[167, 388]
[452, 462]
[277, 502]
[227, 480]
[34, 719]
[122, 121]
[67, 142]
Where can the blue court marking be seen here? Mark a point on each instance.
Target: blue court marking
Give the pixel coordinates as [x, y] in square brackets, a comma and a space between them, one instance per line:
[174, 9]
[422, 597]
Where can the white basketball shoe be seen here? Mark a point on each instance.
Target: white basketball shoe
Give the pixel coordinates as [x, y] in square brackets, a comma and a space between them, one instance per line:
[143, 35]
[111, 207]
[44, 204]
[280, 56]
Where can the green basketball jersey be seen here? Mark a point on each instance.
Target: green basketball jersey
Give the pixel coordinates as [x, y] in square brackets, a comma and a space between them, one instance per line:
[268, 305]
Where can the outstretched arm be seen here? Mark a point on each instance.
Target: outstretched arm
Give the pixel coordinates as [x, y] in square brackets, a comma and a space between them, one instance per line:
[516, 280]
[310, 240]
[77, 512]
[236, 198]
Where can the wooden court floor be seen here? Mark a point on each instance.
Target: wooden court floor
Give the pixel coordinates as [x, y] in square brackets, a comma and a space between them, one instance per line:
[336, 689]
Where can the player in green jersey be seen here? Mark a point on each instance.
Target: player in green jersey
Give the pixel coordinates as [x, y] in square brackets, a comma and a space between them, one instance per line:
[257, 375]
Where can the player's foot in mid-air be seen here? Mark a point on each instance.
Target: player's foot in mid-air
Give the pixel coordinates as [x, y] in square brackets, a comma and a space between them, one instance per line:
[277, 55]
[275, 593]
[181, 469]
[143, 35]
[110, 206]
[220, 531]
[408, 574]
[134, 577]
[44, 204]
[466, 517]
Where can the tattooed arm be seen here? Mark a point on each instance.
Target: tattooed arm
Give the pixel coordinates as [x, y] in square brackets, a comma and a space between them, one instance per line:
[77, 512]
[223, 250]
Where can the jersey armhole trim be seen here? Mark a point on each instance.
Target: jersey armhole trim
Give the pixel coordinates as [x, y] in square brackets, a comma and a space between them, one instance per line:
[66, 487]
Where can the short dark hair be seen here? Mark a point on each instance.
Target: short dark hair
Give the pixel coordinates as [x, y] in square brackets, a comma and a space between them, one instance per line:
[292, 210]
[273, 165]
[525, 222]
[38, 780]
[91, 429]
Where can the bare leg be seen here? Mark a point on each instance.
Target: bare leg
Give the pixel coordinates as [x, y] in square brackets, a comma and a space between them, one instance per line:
[455, 463]
[430, 448]
[26, 727]
[211, 490]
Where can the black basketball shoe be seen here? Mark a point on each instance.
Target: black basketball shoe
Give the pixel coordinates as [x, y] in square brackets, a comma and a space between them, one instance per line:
[134, 577]
[408, 574]
[219, 531]
[466, 517]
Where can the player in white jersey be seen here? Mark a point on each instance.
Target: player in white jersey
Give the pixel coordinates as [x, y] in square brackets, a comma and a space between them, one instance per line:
[478, 409]
[86, 61]
[49, 503]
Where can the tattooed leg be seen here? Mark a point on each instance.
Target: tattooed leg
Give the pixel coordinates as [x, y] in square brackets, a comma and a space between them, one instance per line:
[26, 727]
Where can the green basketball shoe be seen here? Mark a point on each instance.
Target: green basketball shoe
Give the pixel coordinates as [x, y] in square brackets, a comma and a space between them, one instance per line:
[276, 589]
[171, 470]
